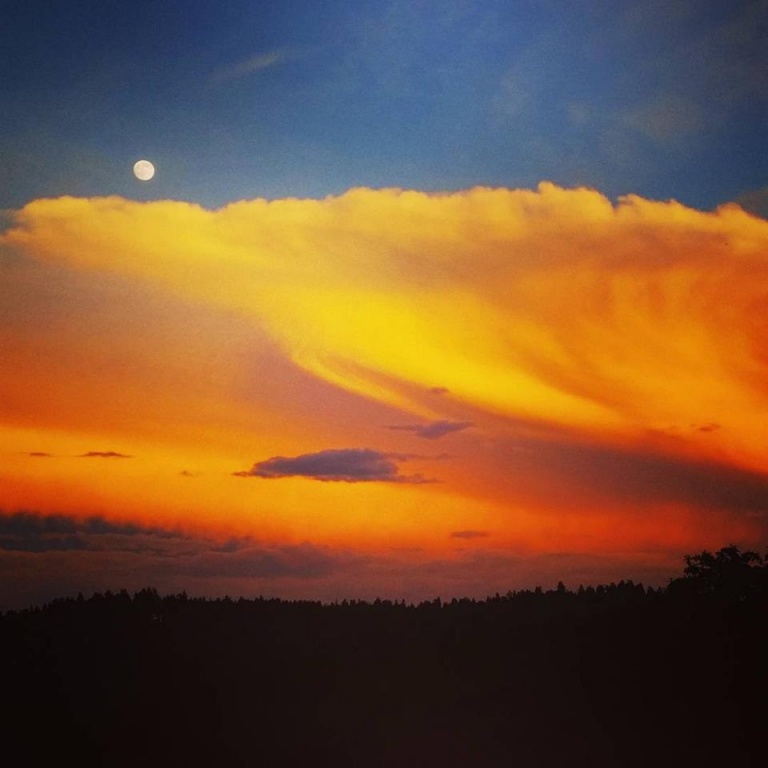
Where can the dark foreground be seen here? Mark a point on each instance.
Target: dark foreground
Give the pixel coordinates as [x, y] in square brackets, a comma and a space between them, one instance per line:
[618, 676]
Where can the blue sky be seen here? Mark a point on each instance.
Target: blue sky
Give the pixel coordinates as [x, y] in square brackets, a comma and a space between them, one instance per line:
[236, 100]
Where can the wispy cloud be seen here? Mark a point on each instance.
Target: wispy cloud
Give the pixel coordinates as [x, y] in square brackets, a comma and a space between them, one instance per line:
[104, 455]
[709, 427]
[469, 534]
[434, 430]
[349, 465]
[87, 455]
[666, 119]
[250, 66]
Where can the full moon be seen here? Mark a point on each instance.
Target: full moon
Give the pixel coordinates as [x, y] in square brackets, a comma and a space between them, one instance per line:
[143, 170]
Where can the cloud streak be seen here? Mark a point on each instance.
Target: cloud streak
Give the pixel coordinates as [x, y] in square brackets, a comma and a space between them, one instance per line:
[29, 532]
[249, 66]
[434, 430]
[469, 534]
[652, 477]
[104, 455]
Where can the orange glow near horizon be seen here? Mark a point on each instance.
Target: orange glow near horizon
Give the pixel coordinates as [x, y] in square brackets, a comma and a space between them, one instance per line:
[592, 363]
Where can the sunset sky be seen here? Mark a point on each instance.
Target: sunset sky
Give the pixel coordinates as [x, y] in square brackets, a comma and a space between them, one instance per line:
[425, 298]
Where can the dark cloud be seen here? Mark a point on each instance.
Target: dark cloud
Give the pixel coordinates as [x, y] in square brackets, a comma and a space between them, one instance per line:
[104, 455]
[469, 534]
[439, 390]
[700, 483]
[198, 556]
[44, 557]
[433, 430]
[711, 427]
[30, 532]
[88, 455]
[349, 465]
[246, 559]
[642, 475]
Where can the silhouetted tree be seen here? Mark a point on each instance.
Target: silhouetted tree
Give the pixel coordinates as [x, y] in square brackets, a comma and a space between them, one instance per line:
[729, 572]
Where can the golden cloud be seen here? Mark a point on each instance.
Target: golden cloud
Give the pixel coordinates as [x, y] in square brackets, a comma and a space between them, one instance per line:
[553, 305]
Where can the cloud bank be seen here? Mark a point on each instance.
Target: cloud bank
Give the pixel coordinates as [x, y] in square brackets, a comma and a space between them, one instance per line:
[43, 557]
[30, 532]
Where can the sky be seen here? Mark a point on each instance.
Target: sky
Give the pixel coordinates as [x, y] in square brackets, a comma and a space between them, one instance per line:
[424, 299]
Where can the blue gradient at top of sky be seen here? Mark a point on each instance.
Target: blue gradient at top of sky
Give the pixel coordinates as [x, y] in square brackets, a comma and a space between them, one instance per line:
[233, 99]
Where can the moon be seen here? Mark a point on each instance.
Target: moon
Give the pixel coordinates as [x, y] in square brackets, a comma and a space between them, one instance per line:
[143, 170]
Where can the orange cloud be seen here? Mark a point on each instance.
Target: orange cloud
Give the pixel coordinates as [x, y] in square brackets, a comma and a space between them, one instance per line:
[596, 373]
[551, 305]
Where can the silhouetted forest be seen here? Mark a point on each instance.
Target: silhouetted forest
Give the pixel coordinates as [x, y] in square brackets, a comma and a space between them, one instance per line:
[616, 675]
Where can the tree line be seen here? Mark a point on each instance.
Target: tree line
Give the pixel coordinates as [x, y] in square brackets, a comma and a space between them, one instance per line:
[613, 675]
